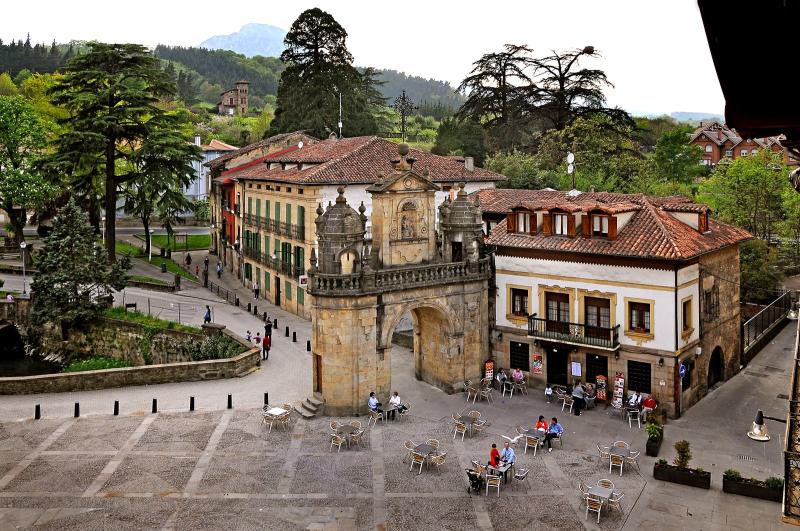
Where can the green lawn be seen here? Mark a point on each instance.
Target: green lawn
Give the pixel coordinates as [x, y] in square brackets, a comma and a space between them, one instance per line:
[96, 363]
[172, 267]
[195, 242]
[118, 312]
[151, 280]
[126, 248]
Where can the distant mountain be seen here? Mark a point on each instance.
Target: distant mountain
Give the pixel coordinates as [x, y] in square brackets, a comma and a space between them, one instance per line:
[697, 116]
[252, 39]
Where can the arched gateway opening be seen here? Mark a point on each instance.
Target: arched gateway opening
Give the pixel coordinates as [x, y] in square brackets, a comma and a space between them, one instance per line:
[407, 268]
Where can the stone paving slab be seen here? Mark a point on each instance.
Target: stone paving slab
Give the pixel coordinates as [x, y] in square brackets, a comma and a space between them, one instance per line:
[155, 475]
[241, 475]
[447, 514]
[61, 474]
[175, 432]
[533, 512]
[97, 434]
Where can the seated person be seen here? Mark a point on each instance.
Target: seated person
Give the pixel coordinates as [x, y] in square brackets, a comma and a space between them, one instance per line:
[373, 403]
[635, 400]
[501, 378]
[395, 405]
[541, 424]
[508, 455]
[494, 456]
[555, 430]
[649, 403]
[517, 375]
[548, 393]
[590, 396]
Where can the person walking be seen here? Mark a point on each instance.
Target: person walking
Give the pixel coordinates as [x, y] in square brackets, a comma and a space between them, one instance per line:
[578, 392]
[256, 288]
[205, 263]
[207, 316]
[219, 269]
[188, 259]
[268, 328]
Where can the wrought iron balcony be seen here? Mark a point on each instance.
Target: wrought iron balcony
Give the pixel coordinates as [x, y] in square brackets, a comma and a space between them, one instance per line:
[281, 228]
[574, 333]
[276, 264]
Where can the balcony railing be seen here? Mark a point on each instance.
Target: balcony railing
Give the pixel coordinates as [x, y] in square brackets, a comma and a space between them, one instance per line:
[276, 264]
[281, 228]
[574, 333]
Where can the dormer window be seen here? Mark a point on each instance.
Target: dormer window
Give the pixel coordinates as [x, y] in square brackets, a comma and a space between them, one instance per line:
[560, 224]
[600, 226]
[523, 222]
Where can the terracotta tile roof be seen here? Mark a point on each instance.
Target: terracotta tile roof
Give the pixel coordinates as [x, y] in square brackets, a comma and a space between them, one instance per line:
[275, 139]
[650, 233]
[359, 160]
[218, 145]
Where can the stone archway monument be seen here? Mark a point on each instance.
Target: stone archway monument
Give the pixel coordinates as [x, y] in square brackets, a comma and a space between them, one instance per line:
[440, 277]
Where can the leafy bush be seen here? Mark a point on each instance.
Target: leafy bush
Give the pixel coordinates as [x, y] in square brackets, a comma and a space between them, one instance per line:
[215, 348]
[661, 462]
[654, 430]
[96, 363]
[683, 449]
[774, 483]
[120, 313]
[732, 474]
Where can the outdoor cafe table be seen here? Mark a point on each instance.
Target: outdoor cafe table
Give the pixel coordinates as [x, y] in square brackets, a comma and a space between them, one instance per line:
[601, 492]
[502, 469]
[468, 420]
[619, 451]
[346, 430]
[276, 411]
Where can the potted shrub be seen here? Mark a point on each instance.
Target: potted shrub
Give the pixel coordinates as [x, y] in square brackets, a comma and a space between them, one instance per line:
[679, 471]
[770, 489]
[655, 436]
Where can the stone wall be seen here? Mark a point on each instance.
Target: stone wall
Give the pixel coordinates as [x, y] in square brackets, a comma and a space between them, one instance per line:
[240, 365]
[125, 341]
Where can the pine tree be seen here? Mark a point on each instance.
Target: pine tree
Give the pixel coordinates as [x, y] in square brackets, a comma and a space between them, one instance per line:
[73, 278]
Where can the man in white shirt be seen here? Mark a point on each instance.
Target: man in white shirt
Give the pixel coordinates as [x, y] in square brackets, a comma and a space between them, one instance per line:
[635, 400]
[395, 404]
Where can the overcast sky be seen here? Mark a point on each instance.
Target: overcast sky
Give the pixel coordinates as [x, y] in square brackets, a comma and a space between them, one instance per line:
[655, 52]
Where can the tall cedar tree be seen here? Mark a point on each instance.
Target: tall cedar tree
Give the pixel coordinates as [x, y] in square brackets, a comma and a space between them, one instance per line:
[319, 69]
[73, 276]
[22, 137]
[564, 92]
[111, 93]
[499, 93]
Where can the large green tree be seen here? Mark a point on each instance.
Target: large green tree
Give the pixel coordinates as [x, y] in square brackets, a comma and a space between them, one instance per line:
[676, 161]
[111, 93]
[460, 137]
[319, 70]
[22, 138]
[499, 95]
[73, 276]
[748, 192]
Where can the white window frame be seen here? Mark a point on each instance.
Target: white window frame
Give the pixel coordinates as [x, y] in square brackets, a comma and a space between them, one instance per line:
[560, 224]
[744, 153]
[728, 152]
[709, 148]
[599, 225]
[523, 222]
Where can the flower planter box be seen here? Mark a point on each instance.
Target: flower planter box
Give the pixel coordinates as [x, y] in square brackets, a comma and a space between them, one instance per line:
[682, 476]
[753, 489]
[652, 446]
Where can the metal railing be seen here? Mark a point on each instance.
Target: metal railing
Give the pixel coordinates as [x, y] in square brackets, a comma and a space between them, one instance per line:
[791, 454]
[276, 264]
[574, 333]
[761, 323]
[281, 228]
[222, 292]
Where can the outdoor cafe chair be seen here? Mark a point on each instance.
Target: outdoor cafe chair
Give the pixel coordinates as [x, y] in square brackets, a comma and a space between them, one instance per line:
[633, 459]
[474, 414]
[356, 424]
[521, 430]
[508, 385]
[433, 443]
[285, 419]
[521, 386]
[337, 442]
[583, 488]
[409, 446]
[617, 409]
[269, 420]
[404, 413]
[616, 460]
[616, 500]
[593, 504]
[621, 444]
[357, 438]
[479, 425]
[605, 483]
[531, 441]
[567, 402]
[334, 425]
[603, 451]
[461, 428]
[493, 481]
[487, 394]
[374, 417]
[520, 476]
[633, 414]
[438, 459]
[417, 459]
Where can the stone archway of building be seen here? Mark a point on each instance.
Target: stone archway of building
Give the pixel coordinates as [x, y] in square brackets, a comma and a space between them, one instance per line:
[433, 341]
[715, 367]
[347, 261]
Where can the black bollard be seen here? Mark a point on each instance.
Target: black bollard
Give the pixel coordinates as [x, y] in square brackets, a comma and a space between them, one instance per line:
[155, 405]
[275, 323]
[266, 399]
[294, 337]
[255, 310]
[287, 331]
[77, 409]
[116, 408]
[308, 345]
[37, 412]
[230, 401]
[265, 318]
[191, 403]
[237, 301]
[248, 307]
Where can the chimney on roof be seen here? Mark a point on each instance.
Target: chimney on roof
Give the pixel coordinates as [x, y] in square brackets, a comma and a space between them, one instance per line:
[469, 163]
[197, 140]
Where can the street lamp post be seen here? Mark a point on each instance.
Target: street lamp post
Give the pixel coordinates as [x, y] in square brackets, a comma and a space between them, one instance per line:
[22, 246]
[103, 228]
[759, 430]
[150, 245]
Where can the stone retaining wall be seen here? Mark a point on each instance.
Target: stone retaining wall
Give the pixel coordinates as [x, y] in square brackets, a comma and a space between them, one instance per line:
[240, 365]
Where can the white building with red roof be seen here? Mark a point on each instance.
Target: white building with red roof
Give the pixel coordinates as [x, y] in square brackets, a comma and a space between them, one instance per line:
[605, 286]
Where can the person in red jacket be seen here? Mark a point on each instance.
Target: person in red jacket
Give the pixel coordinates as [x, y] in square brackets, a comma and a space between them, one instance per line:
[494, 456]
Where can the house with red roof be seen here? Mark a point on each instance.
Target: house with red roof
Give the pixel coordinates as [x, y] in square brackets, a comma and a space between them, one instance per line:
[268, 194]
[624, 291]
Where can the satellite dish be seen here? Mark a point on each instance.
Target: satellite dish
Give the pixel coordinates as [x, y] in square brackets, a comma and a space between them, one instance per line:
[570, 168]
[300, 145]
[570, 157]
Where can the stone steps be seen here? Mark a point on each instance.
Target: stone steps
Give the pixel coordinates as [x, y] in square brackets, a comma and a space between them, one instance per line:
[310, 407]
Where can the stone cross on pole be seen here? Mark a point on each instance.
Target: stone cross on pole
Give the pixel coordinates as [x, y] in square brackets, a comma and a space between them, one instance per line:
[404, 106]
